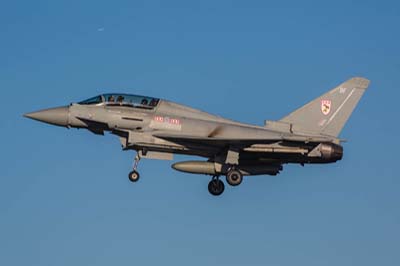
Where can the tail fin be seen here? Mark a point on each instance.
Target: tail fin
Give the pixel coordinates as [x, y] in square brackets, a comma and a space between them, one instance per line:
[329, 113]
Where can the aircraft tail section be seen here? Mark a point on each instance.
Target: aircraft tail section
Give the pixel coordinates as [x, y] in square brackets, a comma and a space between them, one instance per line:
[329, 113]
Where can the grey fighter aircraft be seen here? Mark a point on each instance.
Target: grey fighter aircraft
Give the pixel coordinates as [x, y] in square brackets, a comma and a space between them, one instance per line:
[158, 129]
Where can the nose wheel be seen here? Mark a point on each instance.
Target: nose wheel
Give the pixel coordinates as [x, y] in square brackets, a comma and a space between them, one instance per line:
[216, 187]
[134, 175]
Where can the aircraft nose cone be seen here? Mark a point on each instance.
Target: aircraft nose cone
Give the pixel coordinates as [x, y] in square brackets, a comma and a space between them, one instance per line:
[56, 116]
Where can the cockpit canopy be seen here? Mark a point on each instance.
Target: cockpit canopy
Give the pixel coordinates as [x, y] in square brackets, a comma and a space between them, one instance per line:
[128, 100]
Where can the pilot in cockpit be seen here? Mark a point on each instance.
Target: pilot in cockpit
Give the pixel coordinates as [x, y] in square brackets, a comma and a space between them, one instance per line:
[153, 102]
[120, 99]
[144, 102]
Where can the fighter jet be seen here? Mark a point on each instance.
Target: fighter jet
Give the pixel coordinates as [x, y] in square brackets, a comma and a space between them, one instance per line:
[158, 129]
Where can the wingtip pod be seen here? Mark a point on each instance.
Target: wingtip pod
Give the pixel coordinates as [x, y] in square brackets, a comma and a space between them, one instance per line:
[358, 82]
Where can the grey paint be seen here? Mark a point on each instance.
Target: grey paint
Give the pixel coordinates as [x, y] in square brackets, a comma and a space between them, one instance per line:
[307, 135]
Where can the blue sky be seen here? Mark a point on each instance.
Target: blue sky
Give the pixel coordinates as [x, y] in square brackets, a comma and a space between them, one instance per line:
[64, 194]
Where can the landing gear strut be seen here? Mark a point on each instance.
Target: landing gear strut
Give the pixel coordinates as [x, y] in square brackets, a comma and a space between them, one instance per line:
[216, 187]
[134, 175]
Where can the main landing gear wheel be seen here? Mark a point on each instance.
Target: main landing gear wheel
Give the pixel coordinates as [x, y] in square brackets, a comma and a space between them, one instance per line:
[234, 177]
[216, 187]
[134, 176]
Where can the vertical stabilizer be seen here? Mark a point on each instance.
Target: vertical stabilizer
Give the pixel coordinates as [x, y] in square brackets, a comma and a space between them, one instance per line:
[329, 113]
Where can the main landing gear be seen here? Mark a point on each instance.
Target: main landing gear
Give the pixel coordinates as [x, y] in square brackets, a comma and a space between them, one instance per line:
[234, 177]
[134, 175]
[216, 187]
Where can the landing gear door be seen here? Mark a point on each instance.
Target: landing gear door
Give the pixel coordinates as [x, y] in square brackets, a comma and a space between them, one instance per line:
[156, 155]
[136, 138]
[131, 138]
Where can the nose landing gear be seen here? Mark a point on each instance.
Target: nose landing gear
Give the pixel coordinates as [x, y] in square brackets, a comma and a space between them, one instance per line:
[134, 175]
